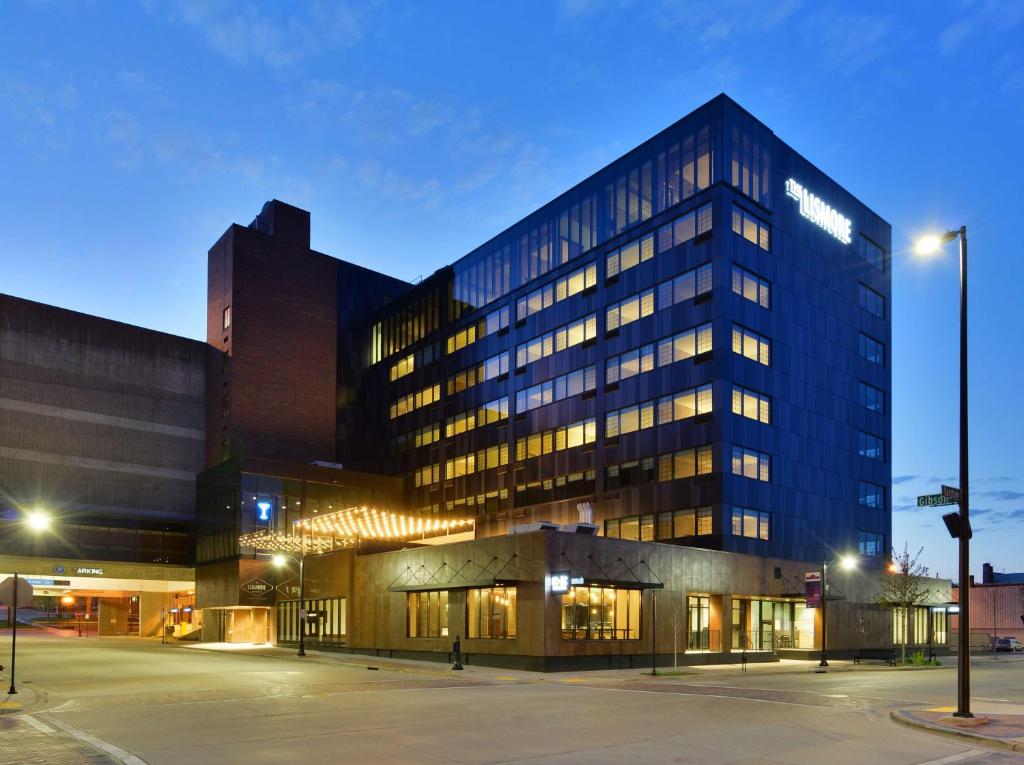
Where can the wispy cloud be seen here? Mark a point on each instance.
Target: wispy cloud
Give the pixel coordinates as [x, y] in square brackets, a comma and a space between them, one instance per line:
[41, 107]
[898, 479]
[244, 33]
[978, 19]
[847, 40]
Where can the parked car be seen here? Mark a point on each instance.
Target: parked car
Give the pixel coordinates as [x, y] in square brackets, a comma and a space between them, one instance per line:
[1009, 644]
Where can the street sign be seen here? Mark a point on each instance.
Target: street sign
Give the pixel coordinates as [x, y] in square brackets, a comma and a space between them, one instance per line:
[950, 492]
[7, 592]
[934, 500]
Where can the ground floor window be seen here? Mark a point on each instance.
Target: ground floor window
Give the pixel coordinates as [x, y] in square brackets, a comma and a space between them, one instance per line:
[899, 626]
[492, 612]
[699, 635]
[920, 625]
[427, 614]
[755, 624]
[601, 613]
[939, 626]
[324, 623]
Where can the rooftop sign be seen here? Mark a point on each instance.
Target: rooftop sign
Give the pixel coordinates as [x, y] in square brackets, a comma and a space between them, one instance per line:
[818, 212]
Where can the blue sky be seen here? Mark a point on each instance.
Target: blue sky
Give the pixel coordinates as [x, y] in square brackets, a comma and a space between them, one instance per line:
[133, 135]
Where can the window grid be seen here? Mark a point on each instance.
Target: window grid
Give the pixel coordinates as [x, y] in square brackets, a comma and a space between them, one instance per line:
[566, 336]
[671, 408]
[478, 416]
[424, 436]
[748, 343]
[751, 464]
[751, 228]
[684, 287]
[556, 389]
[489, 324]
[675, 232]
[556, 439]
[872, 253]
[870, 446]
[413, 401]
[751, 404]
[872, 495]
[750, 286]
[669, 350]
[473, 462]
[872, 398]
[871, 301]
[402, 367]
[488, 369]
[750, 523]
[871, 349]
[556, 291]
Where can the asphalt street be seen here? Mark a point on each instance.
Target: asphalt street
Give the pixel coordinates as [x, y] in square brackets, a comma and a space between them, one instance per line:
[137, 702]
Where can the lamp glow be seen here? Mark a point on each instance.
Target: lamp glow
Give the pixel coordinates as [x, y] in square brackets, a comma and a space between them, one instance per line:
[279, 560]
[848, 563]
[927, 245]
[894, 568]
[37, 520]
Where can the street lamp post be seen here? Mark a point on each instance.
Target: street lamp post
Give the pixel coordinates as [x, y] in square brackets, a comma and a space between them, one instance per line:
[847, 563]
[279, 560]
[37, 521]
[927, 246]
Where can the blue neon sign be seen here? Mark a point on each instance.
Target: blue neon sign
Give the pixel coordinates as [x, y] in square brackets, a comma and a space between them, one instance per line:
[263, 508]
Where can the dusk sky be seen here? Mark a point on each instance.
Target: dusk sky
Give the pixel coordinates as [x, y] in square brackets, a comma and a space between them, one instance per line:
[135, 134]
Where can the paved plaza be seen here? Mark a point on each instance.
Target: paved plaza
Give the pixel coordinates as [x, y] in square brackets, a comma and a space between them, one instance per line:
[131, 701]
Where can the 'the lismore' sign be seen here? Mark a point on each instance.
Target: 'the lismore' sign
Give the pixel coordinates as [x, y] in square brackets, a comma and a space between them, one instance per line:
[816, 210]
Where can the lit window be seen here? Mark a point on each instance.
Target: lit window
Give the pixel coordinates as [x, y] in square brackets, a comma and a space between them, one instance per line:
[751, 464]
[227, 317]
[491, 612]
[750, 227]
[602, 613]
[752, 345]
[749, 523]
[752, 287]
[751, 404]
[427, 614]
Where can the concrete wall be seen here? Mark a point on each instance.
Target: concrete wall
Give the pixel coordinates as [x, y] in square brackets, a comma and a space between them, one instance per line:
[98, 420]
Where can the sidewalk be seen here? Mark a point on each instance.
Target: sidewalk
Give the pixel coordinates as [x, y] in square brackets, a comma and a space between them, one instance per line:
[1004, 728]
[483, 672]
[27, 741]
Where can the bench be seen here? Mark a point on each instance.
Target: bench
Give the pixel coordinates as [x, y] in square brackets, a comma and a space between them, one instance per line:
[888, 655]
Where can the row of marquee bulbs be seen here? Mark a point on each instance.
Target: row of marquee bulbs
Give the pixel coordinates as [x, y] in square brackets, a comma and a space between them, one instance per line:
[371, 523]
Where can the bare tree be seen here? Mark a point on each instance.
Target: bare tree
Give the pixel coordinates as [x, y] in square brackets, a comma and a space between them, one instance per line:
[902, 587]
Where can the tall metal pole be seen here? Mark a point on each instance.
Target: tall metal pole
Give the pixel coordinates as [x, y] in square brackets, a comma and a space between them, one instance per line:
[14, 634]
[824, 614]
[654, 632]
[963, 690]
[302, 574]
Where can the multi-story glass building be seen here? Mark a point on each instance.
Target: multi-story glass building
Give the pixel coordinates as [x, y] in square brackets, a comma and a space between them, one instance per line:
[694, 341]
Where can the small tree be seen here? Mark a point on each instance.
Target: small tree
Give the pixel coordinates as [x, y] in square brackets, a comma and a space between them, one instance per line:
[902, 587]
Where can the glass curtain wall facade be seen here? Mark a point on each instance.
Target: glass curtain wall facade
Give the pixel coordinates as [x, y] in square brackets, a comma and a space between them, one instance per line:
[681, 296]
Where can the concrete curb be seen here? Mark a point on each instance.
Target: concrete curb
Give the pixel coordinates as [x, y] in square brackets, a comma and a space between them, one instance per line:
[901, 718]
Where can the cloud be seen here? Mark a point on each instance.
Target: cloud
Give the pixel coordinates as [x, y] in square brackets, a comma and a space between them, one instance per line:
[41, 108]
[396, 186]
[898, 479]
[848, 41]
[980, 19]
[1004, 495]
[244, 33]
[122, 131]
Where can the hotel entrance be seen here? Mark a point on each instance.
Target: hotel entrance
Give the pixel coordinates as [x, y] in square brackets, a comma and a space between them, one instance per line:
[237, 624]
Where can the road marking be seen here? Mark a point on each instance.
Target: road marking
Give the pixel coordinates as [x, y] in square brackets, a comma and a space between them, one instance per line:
[970, 754]
[119, 754]
[37, 724]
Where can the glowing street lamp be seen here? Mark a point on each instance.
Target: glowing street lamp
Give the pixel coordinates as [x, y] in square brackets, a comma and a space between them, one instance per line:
[37, 521]
[280, 560]
[959, 523]
[846, 563]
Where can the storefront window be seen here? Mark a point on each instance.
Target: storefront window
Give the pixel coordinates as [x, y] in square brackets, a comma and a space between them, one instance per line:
[492, 612]
[698, 624]
[428, 614]
[755, 623]
[601, 613]
[939, 626]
